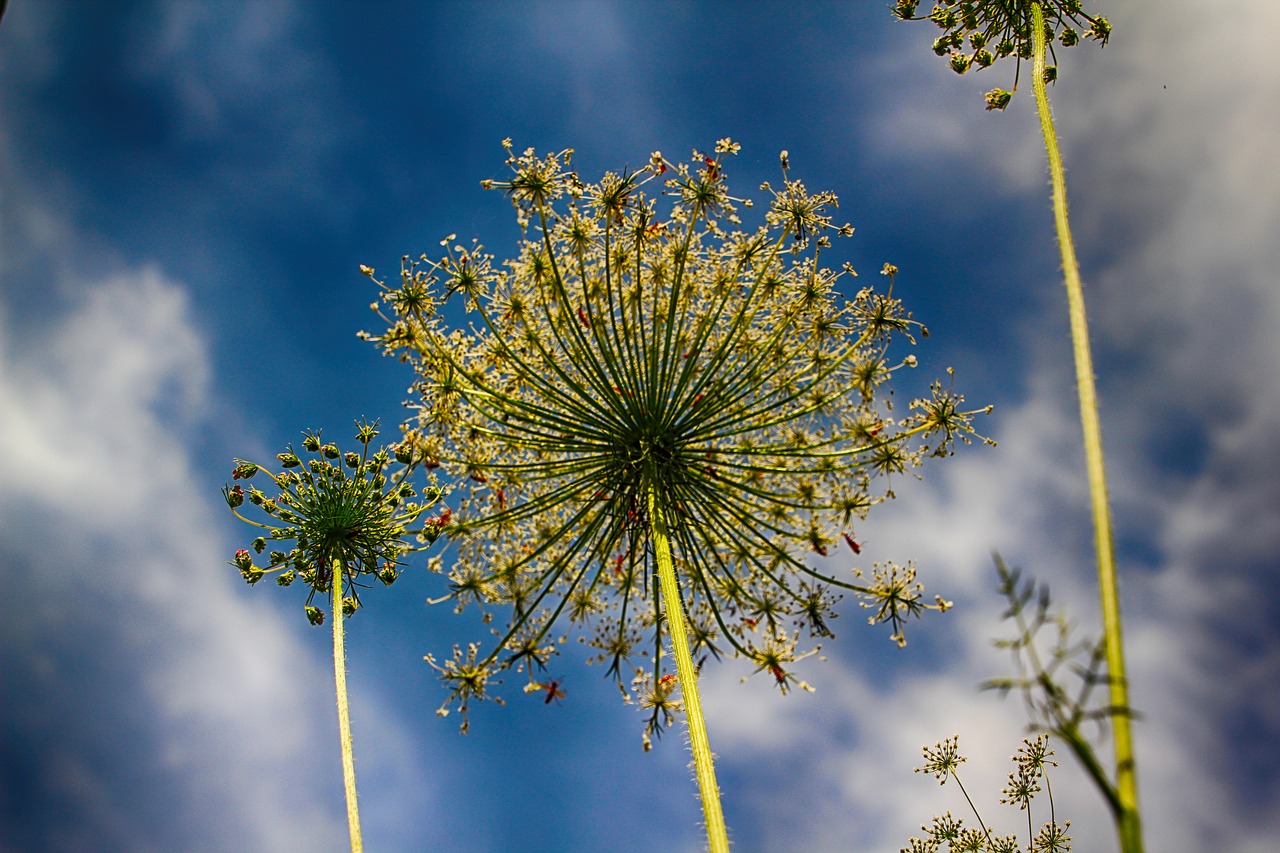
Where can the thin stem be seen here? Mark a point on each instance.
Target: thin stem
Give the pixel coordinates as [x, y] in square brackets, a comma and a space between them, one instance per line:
[986, 833]
[1128, 823]
[704, 768]
[344, 716]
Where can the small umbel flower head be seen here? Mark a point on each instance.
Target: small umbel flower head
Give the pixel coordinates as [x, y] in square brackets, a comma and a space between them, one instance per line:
[635, 369]
[976, 33]
[345, 515]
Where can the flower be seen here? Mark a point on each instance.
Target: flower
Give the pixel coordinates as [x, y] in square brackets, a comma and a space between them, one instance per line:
[942, 759]
[979, 32]
[633, 370]
[350, 517]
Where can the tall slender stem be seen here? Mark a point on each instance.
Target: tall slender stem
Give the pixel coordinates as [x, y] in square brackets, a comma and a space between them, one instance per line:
[344, 716]
[1127, 819]
[704, 767]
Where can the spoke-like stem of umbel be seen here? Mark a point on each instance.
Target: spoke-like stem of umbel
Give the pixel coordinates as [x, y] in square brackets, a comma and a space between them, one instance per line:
[344, 715]
[704, 768]
[1127, 820]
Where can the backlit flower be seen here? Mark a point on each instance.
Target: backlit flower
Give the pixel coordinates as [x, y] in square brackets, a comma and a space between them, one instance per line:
[638, 364]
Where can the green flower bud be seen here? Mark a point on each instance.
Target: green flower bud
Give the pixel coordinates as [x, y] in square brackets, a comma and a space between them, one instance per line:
[315, 615]
[348, 607]
[286, 578]
[1101, 29]
[288, 460]
[351, 459]
[259, 545]
[311, 442]
[404, 453]
[243, 470]
[998, 99]
[330, 451]
[905, 9]
[234, 496]
[388, 574]
[960, 62]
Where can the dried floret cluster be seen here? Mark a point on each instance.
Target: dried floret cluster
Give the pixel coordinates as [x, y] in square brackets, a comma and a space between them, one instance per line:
[632, 364]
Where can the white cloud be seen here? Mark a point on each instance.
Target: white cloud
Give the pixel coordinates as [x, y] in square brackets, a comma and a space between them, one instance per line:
[113, 565]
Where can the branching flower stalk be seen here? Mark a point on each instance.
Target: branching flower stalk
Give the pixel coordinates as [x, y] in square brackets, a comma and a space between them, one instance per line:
[1043, 676]
[1128, 819]
[660, 425]
[1027, 30]
[348, 516]
[947, 833]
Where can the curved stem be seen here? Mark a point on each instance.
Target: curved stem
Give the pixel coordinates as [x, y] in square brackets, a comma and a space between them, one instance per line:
[344, 716]
[1128, 822]
[704, 768]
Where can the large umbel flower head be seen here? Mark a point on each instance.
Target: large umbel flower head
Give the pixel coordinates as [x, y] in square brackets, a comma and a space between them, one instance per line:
[631, 370]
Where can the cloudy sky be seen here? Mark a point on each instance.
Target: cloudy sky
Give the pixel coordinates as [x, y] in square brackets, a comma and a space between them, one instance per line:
[186, 192]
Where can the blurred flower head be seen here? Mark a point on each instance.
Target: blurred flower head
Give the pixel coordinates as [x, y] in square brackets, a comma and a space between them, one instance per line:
[334, 513]
[646, 346]
[976, 33]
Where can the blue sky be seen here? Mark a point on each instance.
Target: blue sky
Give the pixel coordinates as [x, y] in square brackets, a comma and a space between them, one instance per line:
[186, 192]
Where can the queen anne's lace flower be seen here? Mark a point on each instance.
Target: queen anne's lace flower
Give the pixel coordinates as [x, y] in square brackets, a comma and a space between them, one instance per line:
[631, 364]
[347, 514]
[977, 33]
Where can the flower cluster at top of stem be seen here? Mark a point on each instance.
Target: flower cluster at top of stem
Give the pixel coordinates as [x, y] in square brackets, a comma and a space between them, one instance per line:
[975, 33]
[346, 512]
[627, 353]
[947, 833]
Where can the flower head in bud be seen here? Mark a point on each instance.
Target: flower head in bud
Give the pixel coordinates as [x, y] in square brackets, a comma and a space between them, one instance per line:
[969, 26]
[347, 522]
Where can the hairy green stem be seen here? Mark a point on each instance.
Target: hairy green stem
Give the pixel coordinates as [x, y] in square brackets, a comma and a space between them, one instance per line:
[1128, 822]
[704, 767]
[344, 716]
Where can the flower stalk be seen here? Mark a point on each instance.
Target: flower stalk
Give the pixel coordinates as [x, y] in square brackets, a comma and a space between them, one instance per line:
[703, 760]
[1126, 811]
[349, 516]
[344, 726]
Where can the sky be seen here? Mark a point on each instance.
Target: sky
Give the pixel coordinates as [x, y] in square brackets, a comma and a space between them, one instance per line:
[187, 191]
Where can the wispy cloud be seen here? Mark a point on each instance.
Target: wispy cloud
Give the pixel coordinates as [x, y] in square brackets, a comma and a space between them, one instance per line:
[145, 679]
